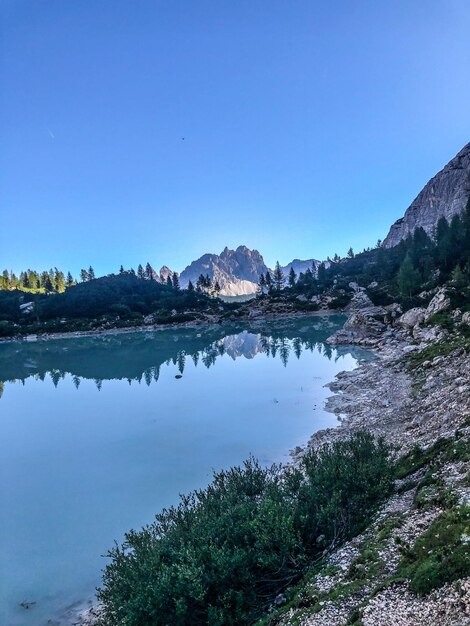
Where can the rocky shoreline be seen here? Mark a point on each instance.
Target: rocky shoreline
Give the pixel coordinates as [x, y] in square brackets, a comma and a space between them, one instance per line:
[208, 321]
[410, 400]
[416, 393]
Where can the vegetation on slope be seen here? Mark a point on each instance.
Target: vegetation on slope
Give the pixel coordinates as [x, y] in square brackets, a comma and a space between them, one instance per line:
[224, 553]
[111, 301]
[419, 263]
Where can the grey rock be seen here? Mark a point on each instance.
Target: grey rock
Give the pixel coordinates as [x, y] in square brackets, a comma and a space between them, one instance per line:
[445, 195]
[412, 317]
[302, 266]
[360, 300]
[165, 272]
[440, 302]
[236, 271]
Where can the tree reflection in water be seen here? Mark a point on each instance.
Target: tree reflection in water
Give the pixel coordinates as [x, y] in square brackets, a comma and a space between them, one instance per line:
[139, 356]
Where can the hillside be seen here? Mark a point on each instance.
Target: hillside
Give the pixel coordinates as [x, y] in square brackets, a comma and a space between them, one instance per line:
[445, 195]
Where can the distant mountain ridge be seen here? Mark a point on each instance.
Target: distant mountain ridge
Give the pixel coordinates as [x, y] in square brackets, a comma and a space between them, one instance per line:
[237, 271]
[445, 195]
[301, 266]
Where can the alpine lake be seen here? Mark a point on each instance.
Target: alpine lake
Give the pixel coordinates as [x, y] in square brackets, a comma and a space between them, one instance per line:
[99, 433]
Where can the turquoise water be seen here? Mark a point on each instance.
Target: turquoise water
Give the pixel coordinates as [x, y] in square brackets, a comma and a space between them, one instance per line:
[97, 435]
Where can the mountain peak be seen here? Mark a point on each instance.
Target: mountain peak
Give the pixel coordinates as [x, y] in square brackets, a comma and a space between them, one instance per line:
[445, 195]
[236, 271]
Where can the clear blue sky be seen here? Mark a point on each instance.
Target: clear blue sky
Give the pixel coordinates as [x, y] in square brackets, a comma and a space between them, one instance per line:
[308, 126]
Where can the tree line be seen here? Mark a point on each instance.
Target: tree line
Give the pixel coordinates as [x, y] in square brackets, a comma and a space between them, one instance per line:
[47, 281]
[419, 262]
[57, 281]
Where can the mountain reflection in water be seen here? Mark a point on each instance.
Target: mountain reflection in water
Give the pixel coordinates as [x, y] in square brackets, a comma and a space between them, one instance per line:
[138, 356]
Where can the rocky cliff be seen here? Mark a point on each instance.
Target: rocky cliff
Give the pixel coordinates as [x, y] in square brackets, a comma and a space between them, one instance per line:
[236, 271]
[301, 266]
[444, 195]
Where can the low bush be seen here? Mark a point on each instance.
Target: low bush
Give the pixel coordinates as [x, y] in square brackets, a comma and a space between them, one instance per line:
[441, 555]
[223, 554]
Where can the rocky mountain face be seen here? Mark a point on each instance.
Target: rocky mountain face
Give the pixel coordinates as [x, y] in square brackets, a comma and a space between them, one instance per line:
[301, 266]
[444, 195]
[236, 271]
[165, 272]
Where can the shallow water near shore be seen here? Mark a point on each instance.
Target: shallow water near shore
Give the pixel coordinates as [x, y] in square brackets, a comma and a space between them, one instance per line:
[97, 434]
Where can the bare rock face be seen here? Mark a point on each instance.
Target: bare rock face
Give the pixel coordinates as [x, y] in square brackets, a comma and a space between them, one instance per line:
[301, 266]
[412, 318]
[236, 271]
[165, 272]
[445, 195]
[360, 300]
[440, 302]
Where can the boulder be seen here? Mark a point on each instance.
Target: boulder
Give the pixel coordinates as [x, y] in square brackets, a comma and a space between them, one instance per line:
[362, 324]
[360, 300]
[427, 335]
[440, 302]
[412, 318]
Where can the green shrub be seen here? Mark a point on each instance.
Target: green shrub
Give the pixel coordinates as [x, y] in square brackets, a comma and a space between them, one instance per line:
[222, 555]
[340, 301]
[442, 319]
[441, 555]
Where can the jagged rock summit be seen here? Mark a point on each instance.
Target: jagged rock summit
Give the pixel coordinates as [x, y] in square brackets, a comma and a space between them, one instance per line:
[446, 194]
[301, 266]
[236, 271]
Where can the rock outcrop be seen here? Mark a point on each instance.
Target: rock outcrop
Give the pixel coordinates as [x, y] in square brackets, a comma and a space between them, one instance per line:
[165, 273]
[301, 266]
[440, 302]
[236, 271]
[445, 195]
[412, 317]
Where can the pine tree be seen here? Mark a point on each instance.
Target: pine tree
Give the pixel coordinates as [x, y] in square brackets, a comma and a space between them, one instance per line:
[59, 281]
[84, 276]
[269, 281]
[408, 277]
[48, 286]
[321, 274]
[292, 277]
[190, 286]
[176, 281]
[350, 253]
[121, 270]
[217, 288]
[465, 219]
[91, 273]
[459, 279]
[140, 271]
[278, 277]
[70, 280]
[169, 282]
[261, 284]
[149, 272]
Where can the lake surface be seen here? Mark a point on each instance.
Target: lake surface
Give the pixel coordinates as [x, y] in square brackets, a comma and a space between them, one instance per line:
[97, 435]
